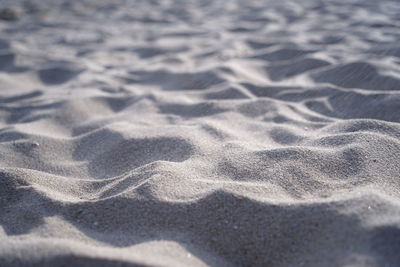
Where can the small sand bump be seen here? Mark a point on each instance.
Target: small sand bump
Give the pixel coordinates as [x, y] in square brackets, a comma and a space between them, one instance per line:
[282, 55]
[357, 75]
[59, 73]
[8, 14]
[284, 71]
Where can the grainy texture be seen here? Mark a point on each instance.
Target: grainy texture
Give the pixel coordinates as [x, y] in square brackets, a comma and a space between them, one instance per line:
[192, 133]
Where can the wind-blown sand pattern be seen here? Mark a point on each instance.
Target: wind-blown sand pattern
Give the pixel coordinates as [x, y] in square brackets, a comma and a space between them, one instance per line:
[193, 133]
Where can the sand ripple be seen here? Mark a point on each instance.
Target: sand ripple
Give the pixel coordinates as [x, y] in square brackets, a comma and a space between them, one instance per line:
[192, 133]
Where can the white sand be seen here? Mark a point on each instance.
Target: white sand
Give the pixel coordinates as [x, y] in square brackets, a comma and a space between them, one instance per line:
[192, 133]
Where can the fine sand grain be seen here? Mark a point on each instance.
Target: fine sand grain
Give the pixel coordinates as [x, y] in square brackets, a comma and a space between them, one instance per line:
[199, 133]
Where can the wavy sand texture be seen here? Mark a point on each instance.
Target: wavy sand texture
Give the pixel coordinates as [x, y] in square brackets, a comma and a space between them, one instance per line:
[193, 133]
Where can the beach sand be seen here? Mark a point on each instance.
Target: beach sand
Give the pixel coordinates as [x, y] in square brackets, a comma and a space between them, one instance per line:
[199, 133]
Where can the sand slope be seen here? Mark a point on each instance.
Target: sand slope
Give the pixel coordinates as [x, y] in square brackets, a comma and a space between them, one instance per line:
[193, 133]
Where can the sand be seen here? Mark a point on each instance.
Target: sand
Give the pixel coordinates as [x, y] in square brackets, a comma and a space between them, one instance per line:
[199, 133]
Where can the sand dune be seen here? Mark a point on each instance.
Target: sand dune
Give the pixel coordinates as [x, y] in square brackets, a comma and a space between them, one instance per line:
[199, 133]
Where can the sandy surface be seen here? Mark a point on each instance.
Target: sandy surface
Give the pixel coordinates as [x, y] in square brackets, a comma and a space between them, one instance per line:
[193, 133]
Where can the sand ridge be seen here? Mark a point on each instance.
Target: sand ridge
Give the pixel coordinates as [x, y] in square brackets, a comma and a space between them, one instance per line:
[200, 133]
